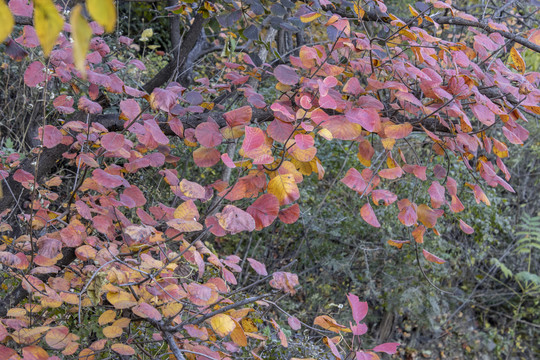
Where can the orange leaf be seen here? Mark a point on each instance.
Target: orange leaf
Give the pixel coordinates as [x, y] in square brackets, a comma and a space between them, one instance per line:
[430, 257]
[326, 322]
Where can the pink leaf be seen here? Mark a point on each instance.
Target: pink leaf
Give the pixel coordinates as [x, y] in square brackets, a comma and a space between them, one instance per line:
[304, 141]
[64, 104]
[130, 109]
[465, 227]
[208, 134]
[359, 309]
[368, 118]
[227, 161]
[239, 116]
[294, 323]
[34, 74]
[112, 141]
[51, 136]
[389, 348]
[21, 7]
[286, 75]
[235, 220]
[110, 181]
[89, 106]
[259, 267]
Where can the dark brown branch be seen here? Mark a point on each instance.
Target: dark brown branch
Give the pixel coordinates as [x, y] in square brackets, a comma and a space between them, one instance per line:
[188, 43]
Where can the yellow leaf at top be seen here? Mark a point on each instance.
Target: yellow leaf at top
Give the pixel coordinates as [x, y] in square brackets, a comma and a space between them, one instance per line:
[284, 188]
[518, 61]
[104, 12]
[6, 23]
[82, 33]
[309, 17]
[222, 324]
[48, 24]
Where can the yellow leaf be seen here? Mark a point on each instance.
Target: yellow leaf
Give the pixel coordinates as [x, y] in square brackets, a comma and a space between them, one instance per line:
[309, 17]
[48, 24]
[284, 188]
[107, 317]
[6, 23]
[112, 331]
[222, 324]
[238, 335]
[187, 211]
[171, 309]
[359, 11]
[518, 61]
[121, 300]
[82, 33]
[104, 12]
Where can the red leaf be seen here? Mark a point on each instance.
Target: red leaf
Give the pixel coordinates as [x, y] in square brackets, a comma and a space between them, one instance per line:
[206, 157]
[290, 215]
[264, 210]
[465, 227]
[333, 348]
[23, 176]
[110, 181]
[408, 216]
[391, 174]
[146, 311]
[389, 348]
[51, 136]
[208, 134]
[34, 74]
[21, 7]
[436, 192]
[162, 99]
[235, 220]
[89, 106]
[369, 216]
[130, 109]
[259, 267]
[112, 141]
[153, 128]
[381, 194]
[286, 75]
[304, 141]
[430, 257]
[279, 130]
[368, 118]
[239, 116]
[64, 104]
[359, 309]
[354, 180]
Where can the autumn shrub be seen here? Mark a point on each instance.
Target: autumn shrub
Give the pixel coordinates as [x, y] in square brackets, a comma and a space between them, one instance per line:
[150, 214]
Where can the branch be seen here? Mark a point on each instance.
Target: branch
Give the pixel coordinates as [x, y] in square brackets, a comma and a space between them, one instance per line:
[188, 43]
[375, 16]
